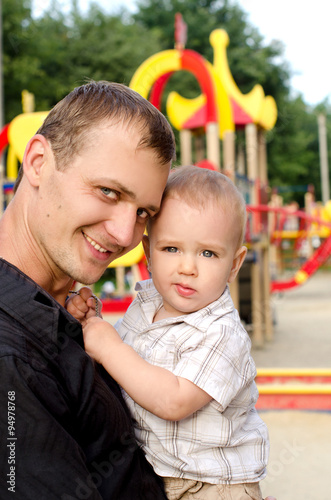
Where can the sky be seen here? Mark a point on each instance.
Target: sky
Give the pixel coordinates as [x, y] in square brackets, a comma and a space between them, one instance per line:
[302, 26]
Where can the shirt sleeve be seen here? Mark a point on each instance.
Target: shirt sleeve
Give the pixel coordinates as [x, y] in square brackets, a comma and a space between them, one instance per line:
[219, 362]
[39, 457]
[117, 325]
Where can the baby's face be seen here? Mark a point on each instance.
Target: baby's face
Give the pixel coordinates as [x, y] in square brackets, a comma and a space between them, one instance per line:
[192, 254]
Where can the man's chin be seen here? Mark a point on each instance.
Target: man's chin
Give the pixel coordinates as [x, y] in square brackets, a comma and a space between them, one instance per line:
[88, 278]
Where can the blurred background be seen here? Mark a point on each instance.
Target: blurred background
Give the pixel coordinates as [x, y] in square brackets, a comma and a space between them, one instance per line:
[279, 159]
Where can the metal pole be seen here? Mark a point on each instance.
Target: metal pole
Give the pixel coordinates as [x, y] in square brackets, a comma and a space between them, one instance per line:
[325, 181]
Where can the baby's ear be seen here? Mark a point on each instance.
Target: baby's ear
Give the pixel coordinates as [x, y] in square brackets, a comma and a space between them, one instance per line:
[237, 263]
[146, 245]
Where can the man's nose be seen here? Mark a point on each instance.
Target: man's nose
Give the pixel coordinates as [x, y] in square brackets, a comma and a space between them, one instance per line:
[121, 226]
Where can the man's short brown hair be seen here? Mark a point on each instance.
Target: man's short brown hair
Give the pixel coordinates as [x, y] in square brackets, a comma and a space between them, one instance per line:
[68, 125]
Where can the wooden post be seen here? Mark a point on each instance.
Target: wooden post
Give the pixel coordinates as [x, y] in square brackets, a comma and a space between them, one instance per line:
[267, 311]
[323, 150]
[275, 251]
[28, 102]
[266, 250]
[234, 291]
[199, 147]
[257, 305]
[252, 156]
[252, 168]
[185, 147]
[309, 202]
[241, 166]
[256, 282]
[229, 154]
[120, 280]
[213, 144]
[262, 158]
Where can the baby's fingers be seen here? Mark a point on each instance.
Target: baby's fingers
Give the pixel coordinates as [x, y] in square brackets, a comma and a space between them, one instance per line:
[95, 306]
[77, 307]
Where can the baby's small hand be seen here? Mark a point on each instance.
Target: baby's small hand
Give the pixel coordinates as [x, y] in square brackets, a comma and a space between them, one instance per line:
[83, 304]
[99, 336]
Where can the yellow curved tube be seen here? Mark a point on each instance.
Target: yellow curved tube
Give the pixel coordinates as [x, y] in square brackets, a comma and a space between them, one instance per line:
[22, 128]
[130, 258]
[154, 67]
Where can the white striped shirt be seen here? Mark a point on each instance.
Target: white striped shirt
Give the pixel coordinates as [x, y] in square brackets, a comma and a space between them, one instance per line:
[226, 441]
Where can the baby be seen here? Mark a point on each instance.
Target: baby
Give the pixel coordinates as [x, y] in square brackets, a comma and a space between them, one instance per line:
[181, 353]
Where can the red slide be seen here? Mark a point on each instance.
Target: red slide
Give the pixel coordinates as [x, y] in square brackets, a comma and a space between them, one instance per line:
[311, 265]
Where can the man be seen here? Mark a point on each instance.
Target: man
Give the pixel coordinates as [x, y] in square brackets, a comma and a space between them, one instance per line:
[92, 175]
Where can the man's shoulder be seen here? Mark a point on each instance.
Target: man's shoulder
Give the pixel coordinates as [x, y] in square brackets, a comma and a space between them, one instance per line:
[12, 342]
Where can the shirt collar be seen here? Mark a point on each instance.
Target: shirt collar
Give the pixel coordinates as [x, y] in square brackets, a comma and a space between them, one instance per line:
[34, 308]
[201, 319]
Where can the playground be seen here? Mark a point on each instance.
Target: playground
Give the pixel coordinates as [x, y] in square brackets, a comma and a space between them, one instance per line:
[283, 291]
[300, 439]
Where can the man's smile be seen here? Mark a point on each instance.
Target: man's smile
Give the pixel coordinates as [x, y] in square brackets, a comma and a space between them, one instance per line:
[96, 245]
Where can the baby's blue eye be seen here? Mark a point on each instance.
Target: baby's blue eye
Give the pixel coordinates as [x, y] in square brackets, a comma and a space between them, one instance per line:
[207, 253]
[171, 249]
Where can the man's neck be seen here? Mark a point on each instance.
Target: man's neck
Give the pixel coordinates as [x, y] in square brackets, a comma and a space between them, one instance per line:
[18, 249]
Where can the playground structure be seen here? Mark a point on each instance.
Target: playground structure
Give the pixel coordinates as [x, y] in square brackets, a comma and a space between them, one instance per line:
[14, 137]
[307, 228]
[207, 127]
[295, 389]
[215, 116]
[218, 113]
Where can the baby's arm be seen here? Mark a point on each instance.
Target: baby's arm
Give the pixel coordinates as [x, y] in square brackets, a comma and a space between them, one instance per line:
[152, 387]
[83, 304]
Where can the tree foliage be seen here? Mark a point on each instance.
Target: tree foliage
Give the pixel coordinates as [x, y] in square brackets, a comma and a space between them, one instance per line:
[50, 54]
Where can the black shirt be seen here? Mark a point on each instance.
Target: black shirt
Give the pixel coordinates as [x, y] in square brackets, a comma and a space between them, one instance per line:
[65, 431]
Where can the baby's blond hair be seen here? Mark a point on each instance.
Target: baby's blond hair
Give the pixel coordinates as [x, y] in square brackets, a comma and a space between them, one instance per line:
[199, 187]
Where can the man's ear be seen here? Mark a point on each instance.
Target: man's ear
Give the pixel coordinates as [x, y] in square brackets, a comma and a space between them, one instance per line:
[146, 245]
[237, 263]
[35, 155]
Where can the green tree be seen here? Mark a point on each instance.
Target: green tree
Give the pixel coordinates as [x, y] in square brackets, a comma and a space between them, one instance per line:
[19, 67]
[53, 53]
[293, 158]
[293, 150]
[250, 60]
[105, 47]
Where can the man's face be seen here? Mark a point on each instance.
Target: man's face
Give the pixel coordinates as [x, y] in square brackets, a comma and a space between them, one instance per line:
[96, 210]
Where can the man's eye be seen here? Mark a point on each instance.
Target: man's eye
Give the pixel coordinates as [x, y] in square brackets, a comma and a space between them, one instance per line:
[142, 213]
[110, 193]
[208, 253]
